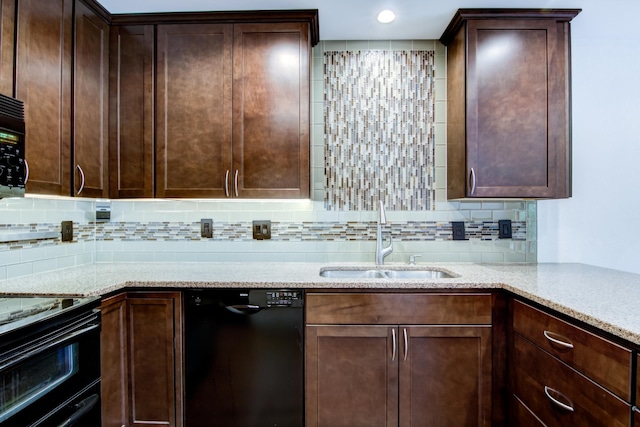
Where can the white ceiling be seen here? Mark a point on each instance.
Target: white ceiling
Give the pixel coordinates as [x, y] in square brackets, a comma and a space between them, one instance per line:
[352, 19]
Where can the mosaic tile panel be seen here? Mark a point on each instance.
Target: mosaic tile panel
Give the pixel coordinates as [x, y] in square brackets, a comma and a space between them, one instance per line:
[303, 231]
[379, 129]
[281, 231]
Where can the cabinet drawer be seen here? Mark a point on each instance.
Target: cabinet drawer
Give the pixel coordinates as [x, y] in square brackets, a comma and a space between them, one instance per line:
[603, 361]
[522, 416]
[539, 378]
[407, 309]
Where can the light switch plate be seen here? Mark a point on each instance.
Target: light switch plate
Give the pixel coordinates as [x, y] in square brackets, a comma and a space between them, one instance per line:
[262, 230]
[504, 229]
[206, 228]
[67, 231]
[458, 230]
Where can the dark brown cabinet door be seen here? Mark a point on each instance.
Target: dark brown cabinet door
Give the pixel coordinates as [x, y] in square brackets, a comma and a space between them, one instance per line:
[131, 111]
[43, 82]
[7, 40]
[351, 376]
[509, 119]
[91, 104]
[141, 359]
[113, 360]
[445, 376]
[155, 359]
[193, 145]
[271, 110]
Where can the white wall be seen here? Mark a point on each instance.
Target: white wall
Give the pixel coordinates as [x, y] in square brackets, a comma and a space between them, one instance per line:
[599, 224]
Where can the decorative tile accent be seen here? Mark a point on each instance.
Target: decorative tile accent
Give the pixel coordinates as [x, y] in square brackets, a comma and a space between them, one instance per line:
[303, 231]
[379, 129]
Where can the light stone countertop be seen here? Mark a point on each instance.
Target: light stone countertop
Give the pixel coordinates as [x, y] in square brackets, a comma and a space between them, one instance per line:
[607, 299]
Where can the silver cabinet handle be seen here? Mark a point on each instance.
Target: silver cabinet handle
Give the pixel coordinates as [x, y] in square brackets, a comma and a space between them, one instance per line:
[472, 180]
[635, 409]
[26, 171]
[406, 343]
[81, 179]
[226, 183]
[566, 407]
[236, 183]
[393, 339]
[548, 336]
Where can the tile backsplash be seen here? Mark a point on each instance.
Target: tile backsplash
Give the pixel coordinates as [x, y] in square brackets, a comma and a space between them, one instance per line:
[379, 136]
[303, 230]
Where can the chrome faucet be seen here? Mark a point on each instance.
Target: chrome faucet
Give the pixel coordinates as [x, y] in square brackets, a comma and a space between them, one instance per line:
[381, 251]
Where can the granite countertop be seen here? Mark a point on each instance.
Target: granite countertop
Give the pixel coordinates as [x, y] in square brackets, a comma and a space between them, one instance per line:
[607, 299]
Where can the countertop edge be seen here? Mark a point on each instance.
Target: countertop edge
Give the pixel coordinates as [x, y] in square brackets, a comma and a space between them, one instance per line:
[558, 287]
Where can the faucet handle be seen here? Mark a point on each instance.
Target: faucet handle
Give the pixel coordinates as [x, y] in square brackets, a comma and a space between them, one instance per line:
[412, 259]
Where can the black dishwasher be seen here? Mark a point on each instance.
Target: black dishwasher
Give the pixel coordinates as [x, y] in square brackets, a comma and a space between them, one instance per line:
[244, 358]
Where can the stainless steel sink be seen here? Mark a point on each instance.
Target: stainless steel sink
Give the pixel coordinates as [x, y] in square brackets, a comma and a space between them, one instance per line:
[363, 273]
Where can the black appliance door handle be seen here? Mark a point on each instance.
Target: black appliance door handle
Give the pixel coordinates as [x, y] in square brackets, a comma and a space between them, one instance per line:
[82, 408]
[5, 364]
[243, 308]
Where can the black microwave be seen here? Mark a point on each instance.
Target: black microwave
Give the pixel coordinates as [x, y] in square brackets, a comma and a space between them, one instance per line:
[14, 171]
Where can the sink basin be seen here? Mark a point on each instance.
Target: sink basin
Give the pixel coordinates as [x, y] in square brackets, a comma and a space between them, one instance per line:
[360, 273]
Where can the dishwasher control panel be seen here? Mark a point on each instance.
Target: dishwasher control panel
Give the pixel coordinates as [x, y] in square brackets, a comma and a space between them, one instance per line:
[284, 298]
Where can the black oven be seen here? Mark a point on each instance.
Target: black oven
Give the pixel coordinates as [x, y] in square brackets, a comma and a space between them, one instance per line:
[50, 369]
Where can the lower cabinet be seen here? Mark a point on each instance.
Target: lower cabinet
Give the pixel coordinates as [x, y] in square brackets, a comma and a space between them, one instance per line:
[433, 368]
[636, 407]
[141, 358]
[563, 375]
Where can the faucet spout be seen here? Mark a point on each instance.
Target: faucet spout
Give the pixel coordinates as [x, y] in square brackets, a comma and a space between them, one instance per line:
[381, 250]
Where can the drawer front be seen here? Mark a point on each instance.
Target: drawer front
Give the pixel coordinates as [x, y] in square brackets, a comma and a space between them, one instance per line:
[407, 309]
[560, 396]
[605, 362]
[521, 416]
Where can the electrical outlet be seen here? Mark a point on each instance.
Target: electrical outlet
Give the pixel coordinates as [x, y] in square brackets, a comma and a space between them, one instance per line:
[67, 231]
[458, 230]
[504, 229]
[262, 230]
[206, 228]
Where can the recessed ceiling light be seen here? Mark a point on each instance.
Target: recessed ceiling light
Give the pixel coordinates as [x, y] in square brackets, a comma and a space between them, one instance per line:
[386, 16]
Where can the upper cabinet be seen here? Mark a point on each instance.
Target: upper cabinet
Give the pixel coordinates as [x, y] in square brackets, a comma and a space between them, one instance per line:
[43, 83]
[193, 145]
[271, 110]
[509, 103]
[63, 82]
[91, 103]
[210, 104]
[131, 132]
[7, 40]
[231, 112]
